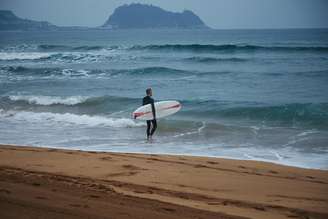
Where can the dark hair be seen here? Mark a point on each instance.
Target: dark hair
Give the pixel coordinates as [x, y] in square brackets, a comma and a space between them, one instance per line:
[148, 90]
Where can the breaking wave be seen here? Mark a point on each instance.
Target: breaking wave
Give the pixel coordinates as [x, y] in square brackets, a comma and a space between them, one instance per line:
[311, 114]
[53, 72]
[227, 48]
[11, 56]
[50, 47]
[49, 100]
[69, 118]
[214, 60]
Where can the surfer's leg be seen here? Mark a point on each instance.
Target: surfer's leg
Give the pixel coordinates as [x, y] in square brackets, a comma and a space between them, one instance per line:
[154, 127]
[148, 128]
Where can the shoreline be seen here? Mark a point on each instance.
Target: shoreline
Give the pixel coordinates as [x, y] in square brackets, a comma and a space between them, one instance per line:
[174, 154]
[52, 183]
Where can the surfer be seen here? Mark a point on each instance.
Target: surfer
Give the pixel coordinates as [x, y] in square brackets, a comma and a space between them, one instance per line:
[151, 124]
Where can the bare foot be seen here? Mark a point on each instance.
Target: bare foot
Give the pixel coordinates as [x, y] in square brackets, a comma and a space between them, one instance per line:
[150, 139]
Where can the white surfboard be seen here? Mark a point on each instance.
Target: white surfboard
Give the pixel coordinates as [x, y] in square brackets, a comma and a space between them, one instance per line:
[162, 109]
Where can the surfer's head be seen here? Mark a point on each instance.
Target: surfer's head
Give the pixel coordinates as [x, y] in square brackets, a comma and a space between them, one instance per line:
[149, 92]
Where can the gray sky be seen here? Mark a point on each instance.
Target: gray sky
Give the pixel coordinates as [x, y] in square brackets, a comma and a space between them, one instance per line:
[223, 14]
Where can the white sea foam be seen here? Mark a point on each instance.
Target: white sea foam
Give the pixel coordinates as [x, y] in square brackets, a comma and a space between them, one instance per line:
[23, 55]
[277, 155]
[71, 72]
[305, 133]
[199, 130]
[80, 57]
[49, 100]
[69, 119]
[86, 56]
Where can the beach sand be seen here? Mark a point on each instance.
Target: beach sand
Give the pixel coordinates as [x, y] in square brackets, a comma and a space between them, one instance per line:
[53, 183]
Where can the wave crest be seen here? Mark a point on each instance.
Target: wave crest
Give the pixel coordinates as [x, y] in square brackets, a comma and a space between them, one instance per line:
[227, 48]
[213, 59]
[313, 114]
[49, 100]
[50, 47]
[69, 118]
[51, 72]
[81, 101]
[12, 56]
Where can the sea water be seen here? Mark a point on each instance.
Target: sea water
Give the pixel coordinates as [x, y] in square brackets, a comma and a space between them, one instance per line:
[246, 94]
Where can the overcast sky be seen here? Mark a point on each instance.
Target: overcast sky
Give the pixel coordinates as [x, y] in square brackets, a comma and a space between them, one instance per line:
[222, 14]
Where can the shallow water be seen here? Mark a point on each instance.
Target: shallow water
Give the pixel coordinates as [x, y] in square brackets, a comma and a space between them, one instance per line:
[246, 94]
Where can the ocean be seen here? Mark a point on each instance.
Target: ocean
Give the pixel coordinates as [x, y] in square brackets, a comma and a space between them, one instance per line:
[245, 94]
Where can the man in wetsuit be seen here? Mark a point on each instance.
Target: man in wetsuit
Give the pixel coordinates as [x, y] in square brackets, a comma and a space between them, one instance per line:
[150, 123]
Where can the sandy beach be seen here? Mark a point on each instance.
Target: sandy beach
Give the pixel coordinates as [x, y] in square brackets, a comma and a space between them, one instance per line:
[52, 183]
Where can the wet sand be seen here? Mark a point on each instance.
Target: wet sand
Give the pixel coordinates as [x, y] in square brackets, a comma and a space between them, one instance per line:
[53, 183]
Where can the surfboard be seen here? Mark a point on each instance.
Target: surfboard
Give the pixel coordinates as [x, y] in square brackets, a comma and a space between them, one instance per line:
[162, 108]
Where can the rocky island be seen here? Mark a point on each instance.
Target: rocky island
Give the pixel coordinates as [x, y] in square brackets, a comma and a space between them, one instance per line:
[148, 16]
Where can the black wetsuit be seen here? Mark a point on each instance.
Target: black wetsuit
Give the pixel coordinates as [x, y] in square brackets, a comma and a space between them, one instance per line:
[148, 100]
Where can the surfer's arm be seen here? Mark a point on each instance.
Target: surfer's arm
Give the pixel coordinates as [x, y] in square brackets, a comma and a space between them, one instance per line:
[153, 109]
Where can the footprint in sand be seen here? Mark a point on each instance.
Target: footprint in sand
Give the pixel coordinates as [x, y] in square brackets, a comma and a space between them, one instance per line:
[259, 208]
[130, 173]
[139, 192]
[6, 191]
[273, 172]
[169, 209]
[310, 177]
[200, 166]
[106, 158]
[132, 167]
[214, 203]
[41, 197]
[212, 162]
[154, 159]
[36, 184]
[69, 152]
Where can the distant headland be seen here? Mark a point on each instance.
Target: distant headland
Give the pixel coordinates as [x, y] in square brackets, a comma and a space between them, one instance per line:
[133, 16]
[9, 21]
